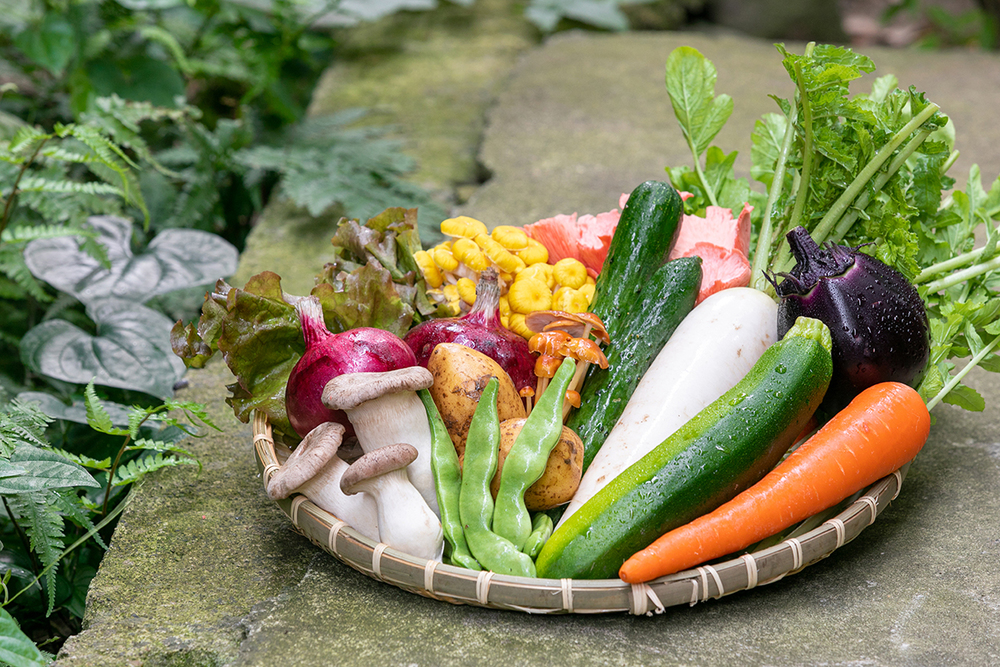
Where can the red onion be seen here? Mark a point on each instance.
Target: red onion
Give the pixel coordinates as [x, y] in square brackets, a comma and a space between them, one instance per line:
[328, 355]
[481, 330]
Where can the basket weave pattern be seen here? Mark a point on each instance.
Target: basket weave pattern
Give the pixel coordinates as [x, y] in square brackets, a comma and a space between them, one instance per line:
[560, 596]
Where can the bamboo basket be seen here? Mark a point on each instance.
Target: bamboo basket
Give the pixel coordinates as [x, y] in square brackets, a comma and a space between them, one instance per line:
[812, 541]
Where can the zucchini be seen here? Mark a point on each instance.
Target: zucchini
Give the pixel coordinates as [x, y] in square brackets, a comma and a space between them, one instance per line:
[641, 301]
[724, 449]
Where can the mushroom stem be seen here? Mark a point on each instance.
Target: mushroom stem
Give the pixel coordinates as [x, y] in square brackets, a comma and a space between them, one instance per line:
[384, 409]
[575, 384]
[315, 471]
[359, 511]
[405, 521]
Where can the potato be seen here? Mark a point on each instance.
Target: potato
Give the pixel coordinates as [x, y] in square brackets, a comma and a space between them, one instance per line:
[562, 474]
[460, 375]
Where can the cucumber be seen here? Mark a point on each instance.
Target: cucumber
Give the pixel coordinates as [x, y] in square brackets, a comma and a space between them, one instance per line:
[641, 301]
[725, 448]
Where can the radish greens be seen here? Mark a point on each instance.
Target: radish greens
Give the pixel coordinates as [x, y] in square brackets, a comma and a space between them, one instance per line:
[864, 170]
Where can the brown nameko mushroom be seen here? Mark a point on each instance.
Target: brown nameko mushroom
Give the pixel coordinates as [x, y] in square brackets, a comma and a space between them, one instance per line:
[315, 471]
[384, 409]
[405, 521]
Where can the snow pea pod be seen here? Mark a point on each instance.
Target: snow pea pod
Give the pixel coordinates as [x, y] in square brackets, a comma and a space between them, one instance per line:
[447, 484]
[482, 452]
[528, 456]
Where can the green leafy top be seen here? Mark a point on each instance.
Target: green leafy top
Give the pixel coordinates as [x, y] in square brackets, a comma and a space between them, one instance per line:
[864, 170]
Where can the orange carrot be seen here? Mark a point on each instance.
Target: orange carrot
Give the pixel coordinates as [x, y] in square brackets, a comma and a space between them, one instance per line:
[883, 428]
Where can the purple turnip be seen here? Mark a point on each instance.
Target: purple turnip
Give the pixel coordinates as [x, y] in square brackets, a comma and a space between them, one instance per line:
[481, 330]
[878, 320]
[327, 355]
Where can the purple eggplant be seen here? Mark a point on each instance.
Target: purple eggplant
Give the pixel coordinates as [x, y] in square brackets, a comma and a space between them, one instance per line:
[877, 319]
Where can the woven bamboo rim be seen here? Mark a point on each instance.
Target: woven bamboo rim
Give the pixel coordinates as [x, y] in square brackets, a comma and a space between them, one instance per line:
[807, 545]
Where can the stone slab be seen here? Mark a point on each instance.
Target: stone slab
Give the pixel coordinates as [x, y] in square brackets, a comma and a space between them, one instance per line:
[588, 117]
[205, 571]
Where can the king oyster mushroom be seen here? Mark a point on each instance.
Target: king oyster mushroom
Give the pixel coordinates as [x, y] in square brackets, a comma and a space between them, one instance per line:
[315, 471]
[405, 521]
[384, 409]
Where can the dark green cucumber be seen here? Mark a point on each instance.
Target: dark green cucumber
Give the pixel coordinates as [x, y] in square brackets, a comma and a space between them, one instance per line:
[659, 304]
[641, 301]
[724, 449]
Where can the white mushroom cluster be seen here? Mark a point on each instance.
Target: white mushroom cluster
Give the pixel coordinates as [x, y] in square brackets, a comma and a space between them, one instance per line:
[390, 489]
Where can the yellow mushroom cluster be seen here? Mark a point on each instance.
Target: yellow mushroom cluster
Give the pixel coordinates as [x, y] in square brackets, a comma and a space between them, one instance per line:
[528, 283]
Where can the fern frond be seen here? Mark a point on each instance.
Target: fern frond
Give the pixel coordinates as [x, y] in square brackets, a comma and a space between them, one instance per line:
[13, 266]
[25, 233]
[112, 158]
[196, 201]
[97, 417]
[136, 469]
[105, 149]
[22, 424]
[83, 460]
[25, 142]
[37, 184]
[72, 509]
[41, 519]
[145, 444]
[193, 411]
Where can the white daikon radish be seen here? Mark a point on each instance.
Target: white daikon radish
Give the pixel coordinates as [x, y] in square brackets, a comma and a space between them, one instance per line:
[712, 349]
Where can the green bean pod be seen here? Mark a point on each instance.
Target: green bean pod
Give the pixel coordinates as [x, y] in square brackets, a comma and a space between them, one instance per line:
[482, 452]
[447, 485]
[528, 456]
[541, 530]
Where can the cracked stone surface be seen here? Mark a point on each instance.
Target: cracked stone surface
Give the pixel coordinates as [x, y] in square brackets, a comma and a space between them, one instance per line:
[204, 570]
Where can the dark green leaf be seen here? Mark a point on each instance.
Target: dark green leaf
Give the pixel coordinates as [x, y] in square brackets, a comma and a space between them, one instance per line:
[174, 259]
[16, 649]
[50, 44]
[690, 83]
[140, 78]
[32, 469]
[131, 349]
[966, 398]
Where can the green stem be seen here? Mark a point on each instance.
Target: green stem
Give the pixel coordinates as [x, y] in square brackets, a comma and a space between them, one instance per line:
[851, 216]
[807, 153]
[9, 204]
[118, 458]
[949, 162]
[957, 377]
[800, 182]
[90, 533]
[949, 265]
[762, 254]
[701, 175]
[961, 276]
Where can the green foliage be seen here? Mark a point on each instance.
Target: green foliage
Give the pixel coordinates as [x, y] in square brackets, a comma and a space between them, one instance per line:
[944, 28]
[865, 170]
[325, 161]
[41, 485]
[16, 648]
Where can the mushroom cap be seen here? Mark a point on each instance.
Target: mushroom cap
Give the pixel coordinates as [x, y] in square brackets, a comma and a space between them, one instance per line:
[348, 391]
[546, 365]
[377, 462]
[548, 342]
[584, 349]
[575, 324]
[310, 456]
